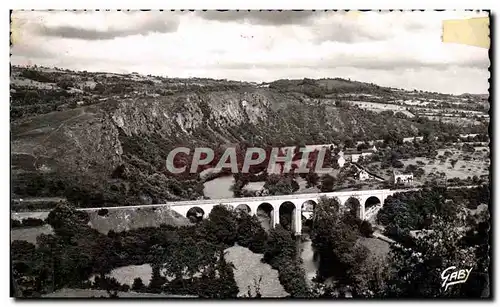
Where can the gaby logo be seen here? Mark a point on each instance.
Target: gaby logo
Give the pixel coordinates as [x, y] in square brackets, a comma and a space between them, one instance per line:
[452, 276]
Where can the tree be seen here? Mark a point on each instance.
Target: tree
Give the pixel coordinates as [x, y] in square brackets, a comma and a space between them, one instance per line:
[327, 183]
[363, 146]
[453, 162]
[250, 233]
[415, 210]
[221, 226]
[138, 285]
[99, 88]
[312, 179]
[226, 283]
[397, 164]
[366, 229]
[417, 270]
[256, 287]
[279, 245]
[280, 185]
[348, 142]
[335, 241]
[157, 281]
[281, 254]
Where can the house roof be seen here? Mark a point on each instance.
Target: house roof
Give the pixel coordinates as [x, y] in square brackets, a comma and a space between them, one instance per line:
[396, 172]
[354, 151]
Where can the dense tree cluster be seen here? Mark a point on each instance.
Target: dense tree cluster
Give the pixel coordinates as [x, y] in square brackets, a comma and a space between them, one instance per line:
[250, 233]
[75, 251]
[185, 260]
[281, 253]
[27, 222]
[404, 212]
[416, 271]
[335, 235]
[280, 185]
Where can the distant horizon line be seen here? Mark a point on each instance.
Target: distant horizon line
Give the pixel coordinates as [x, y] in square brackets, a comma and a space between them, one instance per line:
[242, 81]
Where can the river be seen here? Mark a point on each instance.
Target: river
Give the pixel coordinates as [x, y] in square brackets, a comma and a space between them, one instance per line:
[308, 263]
[219, 187]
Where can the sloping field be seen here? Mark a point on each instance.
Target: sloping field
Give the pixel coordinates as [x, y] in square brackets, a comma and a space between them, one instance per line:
[379, 107]
[378, 248]
[249, 268]
[127, 274]
[29, 214]
[477, 165]
[29, 234]
[125, 219]
[117, 220]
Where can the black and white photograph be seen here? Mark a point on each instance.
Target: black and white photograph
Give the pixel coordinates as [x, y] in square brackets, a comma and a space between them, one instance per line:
[250, 154]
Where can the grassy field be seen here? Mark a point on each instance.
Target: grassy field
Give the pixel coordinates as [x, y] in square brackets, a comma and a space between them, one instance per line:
[125, 219]
[29, 214]
[378, 248]
[249, 268]
[379, 107]
[476, 166]
[29, 234]
[127, 274]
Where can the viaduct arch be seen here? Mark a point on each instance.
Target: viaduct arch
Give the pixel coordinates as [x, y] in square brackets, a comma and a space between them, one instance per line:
[292, 207]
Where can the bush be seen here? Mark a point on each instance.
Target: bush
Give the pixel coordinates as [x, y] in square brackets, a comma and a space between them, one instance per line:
[65, 84]
[102, 212]
[250, 233]
[281, 254]
[32, 222]
[366, 229]
[138, 285]
[36, 76]
[28, 222]
[221, 226]
[15, 223]
[397, 164]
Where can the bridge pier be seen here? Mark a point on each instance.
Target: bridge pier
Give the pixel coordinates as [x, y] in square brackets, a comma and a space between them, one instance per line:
[297, 216]
[276, 216]
[182, 207]
[362, 204]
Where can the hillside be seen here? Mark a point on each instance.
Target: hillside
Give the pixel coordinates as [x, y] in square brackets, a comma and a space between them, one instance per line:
[100, 138]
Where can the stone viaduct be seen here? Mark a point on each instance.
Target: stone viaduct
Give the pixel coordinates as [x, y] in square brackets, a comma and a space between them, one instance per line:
[297, 205]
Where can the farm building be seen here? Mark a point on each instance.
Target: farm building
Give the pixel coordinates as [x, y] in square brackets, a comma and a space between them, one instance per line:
[401, 178]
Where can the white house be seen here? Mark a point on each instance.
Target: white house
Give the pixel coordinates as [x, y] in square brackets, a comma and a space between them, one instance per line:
[363, 175]
[412, 139]
[355, 157]
[406, 179]
[341, 159]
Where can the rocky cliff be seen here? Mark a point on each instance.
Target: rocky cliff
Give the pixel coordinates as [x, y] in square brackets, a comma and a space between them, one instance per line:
[112, 148]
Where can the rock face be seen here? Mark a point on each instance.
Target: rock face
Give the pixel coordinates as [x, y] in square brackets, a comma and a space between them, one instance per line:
[87, 145]
[93, 137]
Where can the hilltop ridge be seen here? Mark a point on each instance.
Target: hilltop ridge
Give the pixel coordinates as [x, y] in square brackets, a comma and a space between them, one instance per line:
[103, 138]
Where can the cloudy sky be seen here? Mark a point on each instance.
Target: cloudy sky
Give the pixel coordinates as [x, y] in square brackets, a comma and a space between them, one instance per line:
[395, 49]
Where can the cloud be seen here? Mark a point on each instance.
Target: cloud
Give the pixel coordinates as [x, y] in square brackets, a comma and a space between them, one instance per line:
[30, 50]
[362, 62]
[353, 27]
[268, 18]
[97, 25]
